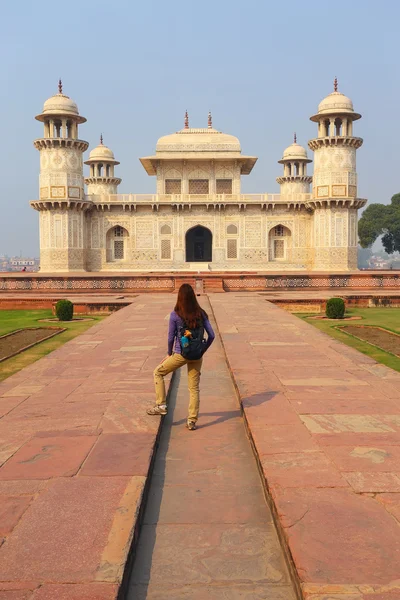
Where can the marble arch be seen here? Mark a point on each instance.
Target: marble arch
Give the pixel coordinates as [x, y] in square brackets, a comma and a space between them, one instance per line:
[198, 244]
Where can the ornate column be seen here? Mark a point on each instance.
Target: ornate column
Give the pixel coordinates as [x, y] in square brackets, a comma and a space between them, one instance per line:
[334, 185]
[61, 184]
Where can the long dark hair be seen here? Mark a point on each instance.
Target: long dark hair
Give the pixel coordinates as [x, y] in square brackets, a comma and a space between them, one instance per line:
[188, 308]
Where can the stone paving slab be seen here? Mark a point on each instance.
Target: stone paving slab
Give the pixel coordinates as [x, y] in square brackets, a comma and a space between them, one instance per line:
[325, 421]
[75, 451]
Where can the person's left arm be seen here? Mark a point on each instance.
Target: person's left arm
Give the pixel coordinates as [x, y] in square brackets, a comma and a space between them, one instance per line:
[210, 334]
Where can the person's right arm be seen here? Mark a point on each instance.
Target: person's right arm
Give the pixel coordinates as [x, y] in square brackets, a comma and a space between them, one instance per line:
[172, 331]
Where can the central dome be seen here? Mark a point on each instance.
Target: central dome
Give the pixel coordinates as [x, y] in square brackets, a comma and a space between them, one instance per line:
[192, 145]
[198, 140]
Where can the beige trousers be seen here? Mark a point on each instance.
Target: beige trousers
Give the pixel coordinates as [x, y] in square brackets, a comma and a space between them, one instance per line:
[173, 363]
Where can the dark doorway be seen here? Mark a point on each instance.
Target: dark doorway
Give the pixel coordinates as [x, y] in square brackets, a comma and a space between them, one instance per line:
[199, 245]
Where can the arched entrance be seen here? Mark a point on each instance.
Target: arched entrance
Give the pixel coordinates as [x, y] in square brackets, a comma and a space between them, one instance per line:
[198, 244]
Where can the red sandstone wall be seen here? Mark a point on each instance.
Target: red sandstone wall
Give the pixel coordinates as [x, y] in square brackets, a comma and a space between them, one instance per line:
[209, 282]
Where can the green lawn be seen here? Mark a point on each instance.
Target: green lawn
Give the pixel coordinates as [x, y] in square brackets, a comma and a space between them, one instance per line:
[10, 320]
[388, 318]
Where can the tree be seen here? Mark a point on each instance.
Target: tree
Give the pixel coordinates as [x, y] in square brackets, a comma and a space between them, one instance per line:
[381, 220]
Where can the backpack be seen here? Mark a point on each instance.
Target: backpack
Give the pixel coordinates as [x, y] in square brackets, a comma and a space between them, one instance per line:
[192, 341]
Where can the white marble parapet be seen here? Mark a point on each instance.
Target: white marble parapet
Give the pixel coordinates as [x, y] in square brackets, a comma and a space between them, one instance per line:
[198, 198]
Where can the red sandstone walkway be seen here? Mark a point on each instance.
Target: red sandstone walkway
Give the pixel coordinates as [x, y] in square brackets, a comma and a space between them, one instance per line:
[208, 532]
[76, 444]
[75, 448]
[325, 421]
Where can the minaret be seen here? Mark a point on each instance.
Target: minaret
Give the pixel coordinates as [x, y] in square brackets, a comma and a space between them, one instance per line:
[295, 179]
[101, 180]
[335, 199]
[62, 201]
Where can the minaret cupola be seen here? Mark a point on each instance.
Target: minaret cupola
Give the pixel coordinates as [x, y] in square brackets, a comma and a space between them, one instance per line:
[61, 117]
[62, 202]
[335, 147]
[334, 197]
[335, 115]
[61, 164]
[295, 179]
[101, 180]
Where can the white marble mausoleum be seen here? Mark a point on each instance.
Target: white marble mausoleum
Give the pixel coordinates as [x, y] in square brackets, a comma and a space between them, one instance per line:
[198, 218]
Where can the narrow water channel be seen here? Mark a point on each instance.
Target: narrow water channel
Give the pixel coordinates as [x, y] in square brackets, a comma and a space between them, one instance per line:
[207, 531]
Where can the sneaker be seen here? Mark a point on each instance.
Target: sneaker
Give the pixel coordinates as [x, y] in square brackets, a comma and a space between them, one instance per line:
[191, 425]
[158, 409]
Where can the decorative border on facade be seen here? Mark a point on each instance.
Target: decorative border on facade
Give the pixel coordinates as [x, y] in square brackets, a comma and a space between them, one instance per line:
[57, 191]
[74, 192]
[229, 281]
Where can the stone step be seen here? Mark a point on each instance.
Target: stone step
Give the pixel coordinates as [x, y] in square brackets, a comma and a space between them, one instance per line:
[199, 266]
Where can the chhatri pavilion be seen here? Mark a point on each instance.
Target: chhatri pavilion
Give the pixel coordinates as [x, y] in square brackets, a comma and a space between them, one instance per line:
[197, 218]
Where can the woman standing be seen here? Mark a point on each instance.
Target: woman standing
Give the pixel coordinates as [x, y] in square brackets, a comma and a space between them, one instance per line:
[186, 322]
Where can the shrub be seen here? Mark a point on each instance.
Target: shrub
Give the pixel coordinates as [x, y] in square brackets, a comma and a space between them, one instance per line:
[335, 308]
[64, 310]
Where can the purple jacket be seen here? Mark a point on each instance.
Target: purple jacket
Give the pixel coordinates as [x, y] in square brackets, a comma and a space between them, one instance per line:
[175, 322]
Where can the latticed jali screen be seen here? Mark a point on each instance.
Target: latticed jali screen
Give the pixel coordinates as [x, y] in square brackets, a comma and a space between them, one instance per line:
[224, 186]
[279, 249]
[118, 231]
[118, 249]
[198, 186]
[166, 249]
[232, 248]
[173, 186]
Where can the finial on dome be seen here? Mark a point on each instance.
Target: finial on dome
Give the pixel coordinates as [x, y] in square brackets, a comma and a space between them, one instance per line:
[295, 138]
[101, 139]
[186, 120]
[209, 120]
[59, 86]
[335, 85]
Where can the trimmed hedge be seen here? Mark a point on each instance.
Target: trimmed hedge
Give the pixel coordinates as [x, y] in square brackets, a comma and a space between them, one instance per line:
[335, 308]
[64, 310]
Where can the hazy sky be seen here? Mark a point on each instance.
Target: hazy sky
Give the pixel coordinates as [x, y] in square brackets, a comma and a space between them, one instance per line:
[133, 68]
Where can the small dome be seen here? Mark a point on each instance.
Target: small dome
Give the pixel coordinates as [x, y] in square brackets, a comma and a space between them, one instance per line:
[60, 105]
[295, 151]
[335, 102]
[101, 152]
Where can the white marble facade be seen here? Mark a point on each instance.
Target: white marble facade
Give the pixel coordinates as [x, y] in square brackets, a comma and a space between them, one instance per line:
[198, 218]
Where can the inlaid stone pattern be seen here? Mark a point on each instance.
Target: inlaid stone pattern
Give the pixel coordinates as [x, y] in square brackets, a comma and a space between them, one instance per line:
[230, 282]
